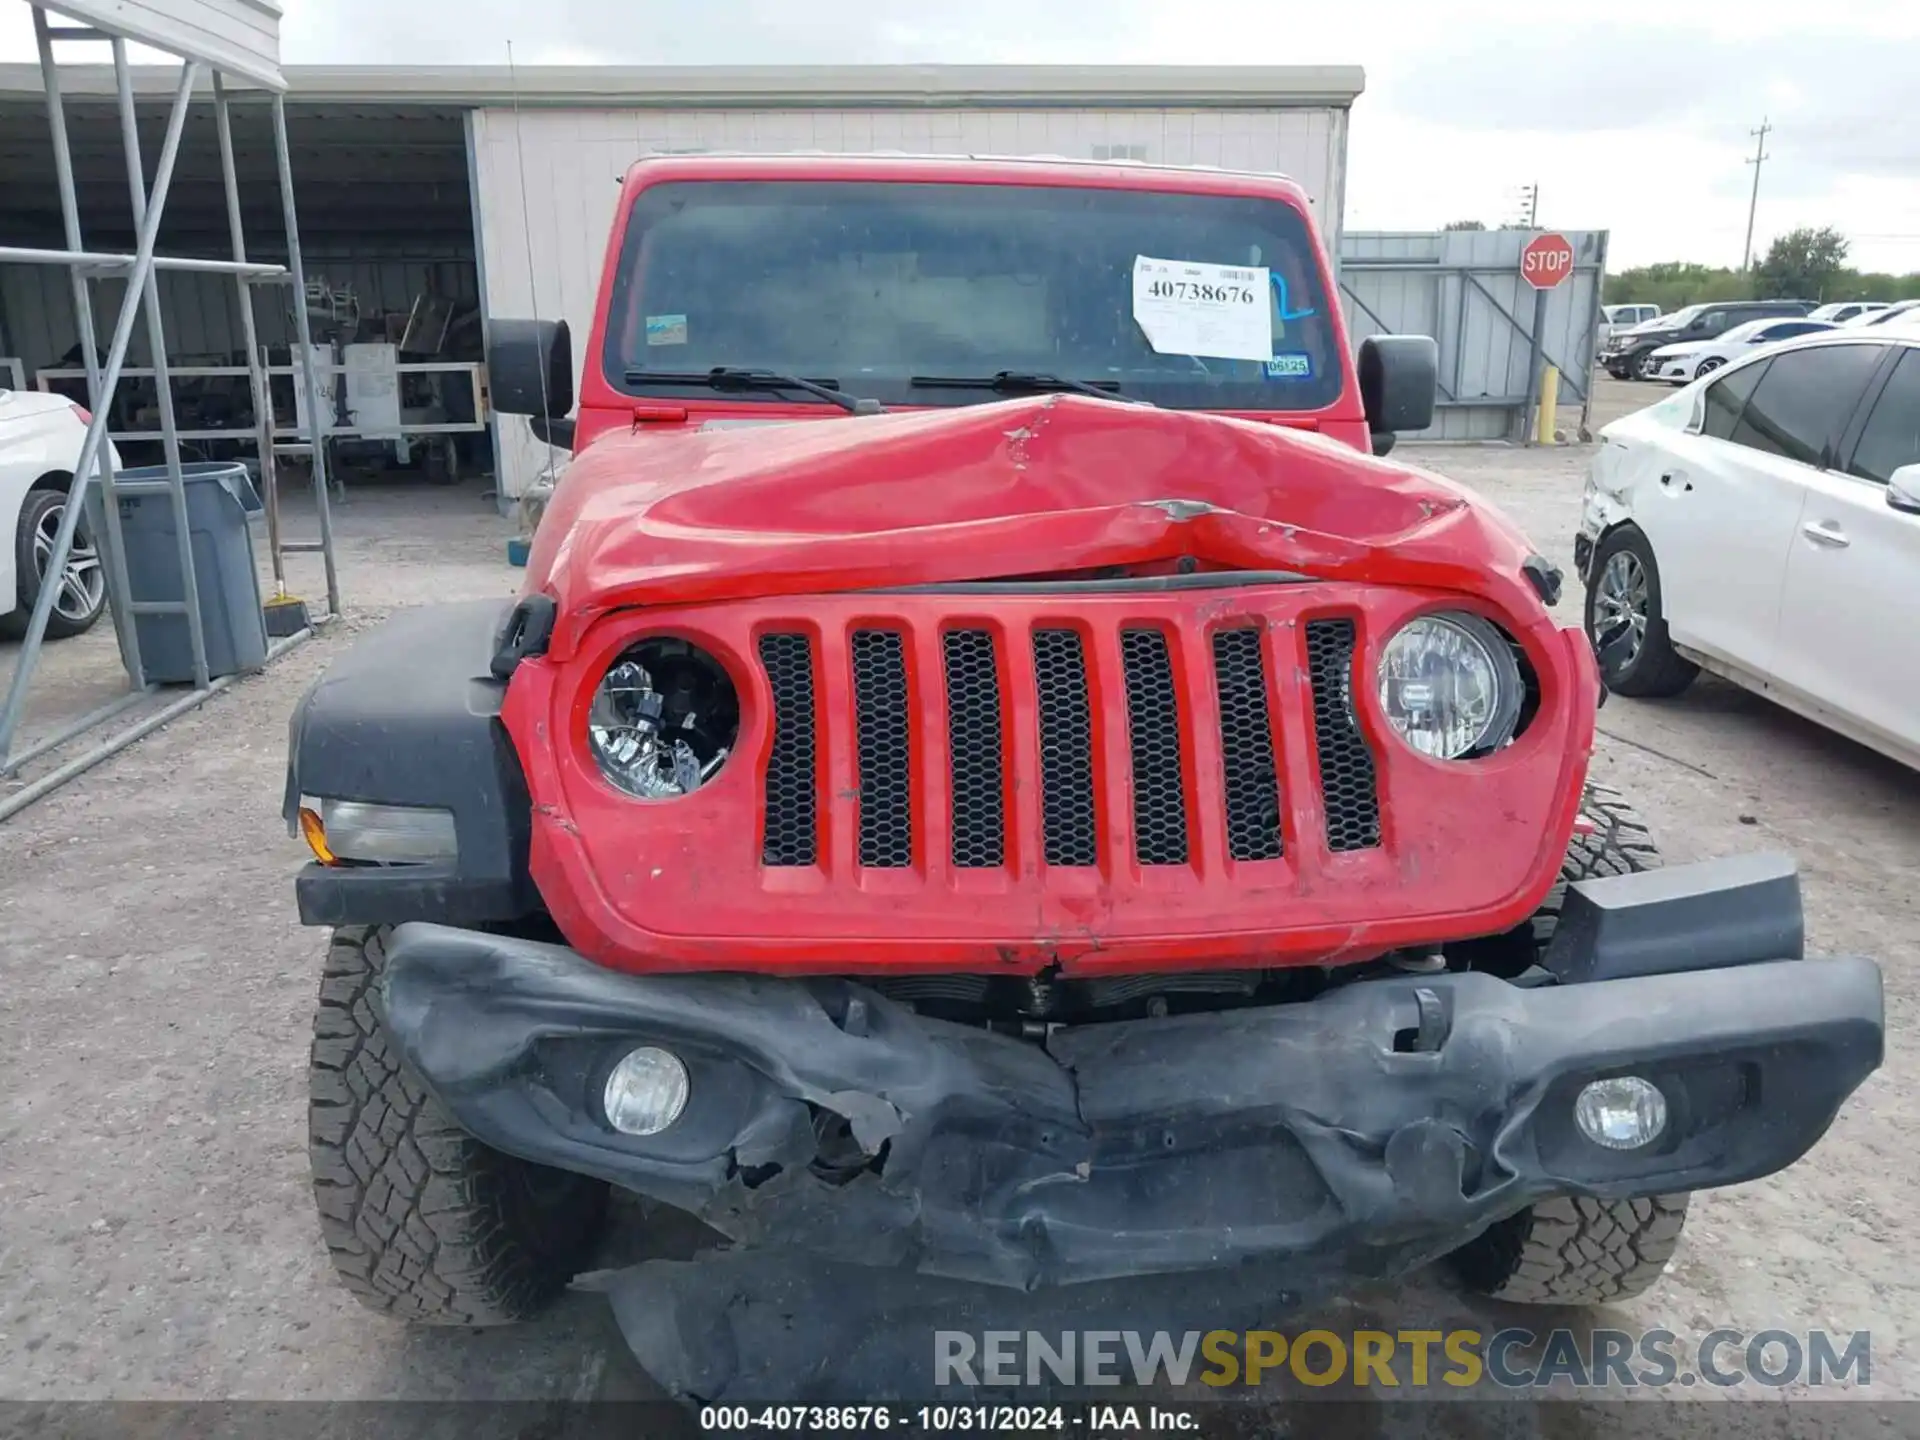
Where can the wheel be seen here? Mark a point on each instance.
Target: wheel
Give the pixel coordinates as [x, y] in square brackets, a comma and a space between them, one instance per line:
[1572, 1249]
[83, 590]
[1623, 588]
[1708, 366]
[423, 1221]
[1641, 366]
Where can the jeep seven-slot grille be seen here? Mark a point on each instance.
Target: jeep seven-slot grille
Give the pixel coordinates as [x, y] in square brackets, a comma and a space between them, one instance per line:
[1153, 725]
[975, 747]
[790, 829]
[1246, 747]
[1066, 748]
[979, 767]
[886, 791]
[1347, 787]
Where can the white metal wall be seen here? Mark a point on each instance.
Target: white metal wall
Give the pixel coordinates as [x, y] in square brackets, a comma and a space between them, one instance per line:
[576, 158]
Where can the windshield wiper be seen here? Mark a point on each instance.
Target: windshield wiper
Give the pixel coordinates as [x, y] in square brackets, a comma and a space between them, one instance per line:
[740, 377]
[1026, 381]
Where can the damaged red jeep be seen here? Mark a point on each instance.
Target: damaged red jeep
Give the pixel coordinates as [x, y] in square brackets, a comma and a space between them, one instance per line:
[995, 796]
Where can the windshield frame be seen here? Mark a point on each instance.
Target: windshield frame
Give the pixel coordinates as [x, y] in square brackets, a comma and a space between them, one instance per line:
[605, 381]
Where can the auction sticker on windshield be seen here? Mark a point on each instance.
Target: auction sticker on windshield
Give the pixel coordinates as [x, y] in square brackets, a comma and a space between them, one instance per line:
[1188, 307]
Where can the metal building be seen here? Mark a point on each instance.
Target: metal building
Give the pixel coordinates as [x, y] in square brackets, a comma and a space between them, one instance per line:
[493, 191]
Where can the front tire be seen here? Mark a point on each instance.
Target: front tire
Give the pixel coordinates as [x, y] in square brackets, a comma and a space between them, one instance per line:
[1623, 587]
[1573, 1249]
[1708, 366]
[425, 1223]
[82, 591]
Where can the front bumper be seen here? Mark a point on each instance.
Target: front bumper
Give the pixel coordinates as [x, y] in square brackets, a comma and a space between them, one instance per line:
[1364, 1132]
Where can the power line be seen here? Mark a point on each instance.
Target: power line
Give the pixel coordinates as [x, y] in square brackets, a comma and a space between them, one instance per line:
[1759, 159]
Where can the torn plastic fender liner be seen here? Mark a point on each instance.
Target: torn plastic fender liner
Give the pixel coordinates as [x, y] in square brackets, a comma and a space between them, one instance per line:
[1365, 1118]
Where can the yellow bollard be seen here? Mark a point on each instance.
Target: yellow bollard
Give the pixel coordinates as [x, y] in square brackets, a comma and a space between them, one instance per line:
[1549, 404]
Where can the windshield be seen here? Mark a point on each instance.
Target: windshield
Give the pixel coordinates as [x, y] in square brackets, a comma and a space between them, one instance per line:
[1678, 320]
[876, 284]
[1747, 331]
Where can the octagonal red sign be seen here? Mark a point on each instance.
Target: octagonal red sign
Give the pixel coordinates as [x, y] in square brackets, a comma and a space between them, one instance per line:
[1547, 260]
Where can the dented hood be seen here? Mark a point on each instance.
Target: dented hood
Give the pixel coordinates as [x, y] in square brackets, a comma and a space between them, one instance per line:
[1021, 487]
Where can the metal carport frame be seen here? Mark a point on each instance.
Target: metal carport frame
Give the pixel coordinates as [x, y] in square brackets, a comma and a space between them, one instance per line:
[230, 39]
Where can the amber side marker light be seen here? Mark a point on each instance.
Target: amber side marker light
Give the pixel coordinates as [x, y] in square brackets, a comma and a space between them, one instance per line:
[314, 830]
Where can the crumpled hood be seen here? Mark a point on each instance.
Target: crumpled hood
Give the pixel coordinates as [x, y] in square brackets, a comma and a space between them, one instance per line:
[1021, 487]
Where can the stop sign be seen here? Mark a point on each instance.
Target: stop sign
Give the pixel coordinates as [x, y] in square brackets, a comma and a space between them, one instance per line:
[1547, 260]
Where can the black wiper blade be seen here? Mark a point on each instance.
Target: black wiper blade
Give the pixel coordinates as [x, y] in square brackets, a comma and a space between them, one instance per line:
[1026, 381]
[740, 377]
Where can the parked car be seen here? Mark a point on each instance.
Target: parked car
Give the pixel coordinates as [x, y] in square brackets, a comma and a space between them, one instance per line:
[1622, 317]
[1028, 838]
[1693, 358]
[1841, 311]
[1765, 526]
[1898, 312]
[40, 438]
[1626, 354]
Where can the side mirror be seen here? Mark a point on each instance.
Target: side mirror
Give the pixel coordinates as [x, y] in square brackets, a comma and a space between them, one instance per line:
[558, 433]
[530, 367]
[1903, 489]
[1399, 377]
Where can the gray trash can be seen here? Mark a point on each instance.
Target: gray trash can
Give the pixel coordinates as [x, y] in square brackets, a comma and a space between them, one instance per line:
[220, 498]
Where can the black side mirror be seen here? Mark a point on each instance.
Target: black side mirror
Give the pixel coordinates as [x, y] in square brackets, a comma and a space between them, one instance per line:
[1399, 378]
[530, 367]
[553, 432]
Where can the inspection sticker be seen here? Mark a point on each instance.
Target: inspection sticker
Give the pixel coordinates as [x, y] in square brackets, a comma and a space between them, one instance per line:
[666, 329]
[1290, 365]
[1188, 307]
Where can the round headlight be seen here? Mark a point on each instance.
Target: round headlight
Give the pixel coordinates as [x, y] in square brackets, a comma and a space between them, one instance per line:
[646, 1091]
[1449, 686]
[663, 720]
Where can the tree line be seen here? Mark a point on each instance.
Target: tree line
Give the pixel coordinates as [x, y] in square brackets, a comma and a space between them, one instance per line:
[1805, 264]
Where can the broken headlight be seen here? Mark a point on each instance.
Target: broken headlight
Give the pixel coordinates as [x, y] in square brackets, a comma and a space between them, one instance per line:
[663, 720]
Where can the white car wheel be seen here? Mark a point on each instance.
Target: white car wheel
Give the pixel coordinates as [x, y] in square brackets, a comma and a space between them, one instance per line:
[82, 592]
[1708, 366]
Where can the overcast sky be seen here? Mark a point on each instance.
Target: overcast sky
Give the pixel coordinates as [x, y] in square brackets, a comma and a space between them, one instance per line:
[1631, 116]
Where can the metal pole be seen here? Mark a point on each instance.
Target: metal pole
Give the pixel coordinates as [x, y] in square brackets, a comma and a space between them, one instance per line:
[91, 446]
[1753, 205]
[304, 333]
[162, 381]
[54, 779]
[256, 378]
[112, 543]
[1534, 350]
[1586, 345]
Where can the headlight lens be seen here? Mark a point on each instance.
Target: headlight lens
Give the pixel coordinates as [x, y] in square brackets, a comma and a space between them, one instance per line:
[663, 720]
[377, 834]
[1449, 686]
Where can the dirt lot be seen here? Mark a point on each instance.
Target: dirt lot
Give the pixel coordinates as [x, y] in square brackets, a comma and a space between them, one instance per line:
[156, 1234]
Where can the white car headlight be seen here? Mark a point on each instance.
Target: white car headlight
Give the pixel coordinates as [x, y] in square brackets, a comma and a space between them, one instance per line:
[1449, 686]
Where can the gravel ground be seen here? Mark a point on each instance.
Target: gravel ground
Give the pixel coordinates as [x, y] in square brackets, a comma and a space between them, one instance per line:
[157, 1238]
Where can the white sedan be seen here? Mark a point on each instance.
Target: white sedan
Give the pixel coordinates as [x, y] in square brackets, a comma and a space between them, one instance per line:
[1691, 360]
[40, 437]
[1764, 525]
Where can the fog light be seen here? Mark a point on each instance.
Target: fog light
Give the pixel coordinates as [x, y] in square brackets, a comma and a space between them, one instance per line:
[646, 1091]
[1624, 1113]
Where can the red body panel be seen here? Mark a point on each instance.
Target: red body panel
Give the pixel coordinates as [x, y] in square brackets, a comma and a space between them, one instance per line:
[717, 536]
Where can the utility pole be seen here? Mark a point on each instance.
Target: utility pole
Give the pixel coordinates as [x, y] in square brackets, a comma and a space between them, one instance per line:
[1530, 206]
[1759, 159]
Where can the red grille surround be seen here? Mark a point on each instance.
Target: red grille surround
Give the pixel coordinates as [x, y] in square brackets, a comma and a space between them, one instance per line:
[1464, 848]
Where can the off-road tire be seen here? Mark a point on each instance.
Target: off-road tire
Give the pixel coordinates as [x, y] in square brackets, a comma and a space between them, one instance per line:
[1573, 1250]
[1658, 671]
[423, 1221]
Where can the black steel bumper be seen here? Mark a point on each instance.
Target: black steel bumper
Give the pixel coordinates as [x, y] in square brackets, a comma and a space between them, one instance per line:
[1364, 1132]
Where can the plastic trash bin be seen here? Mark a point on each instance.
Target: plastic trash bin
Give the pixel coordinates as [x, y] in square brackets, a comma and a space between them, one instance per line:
[220, 499]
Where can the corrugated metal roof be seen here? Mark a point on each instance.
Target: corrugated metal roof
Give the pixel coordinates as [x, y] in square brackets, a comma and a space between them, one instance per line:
[780, 86]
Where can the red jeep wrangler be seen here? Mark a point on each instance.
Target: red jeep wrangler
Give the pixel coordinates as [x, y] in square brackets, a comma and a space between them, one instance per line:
[1072, 819]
